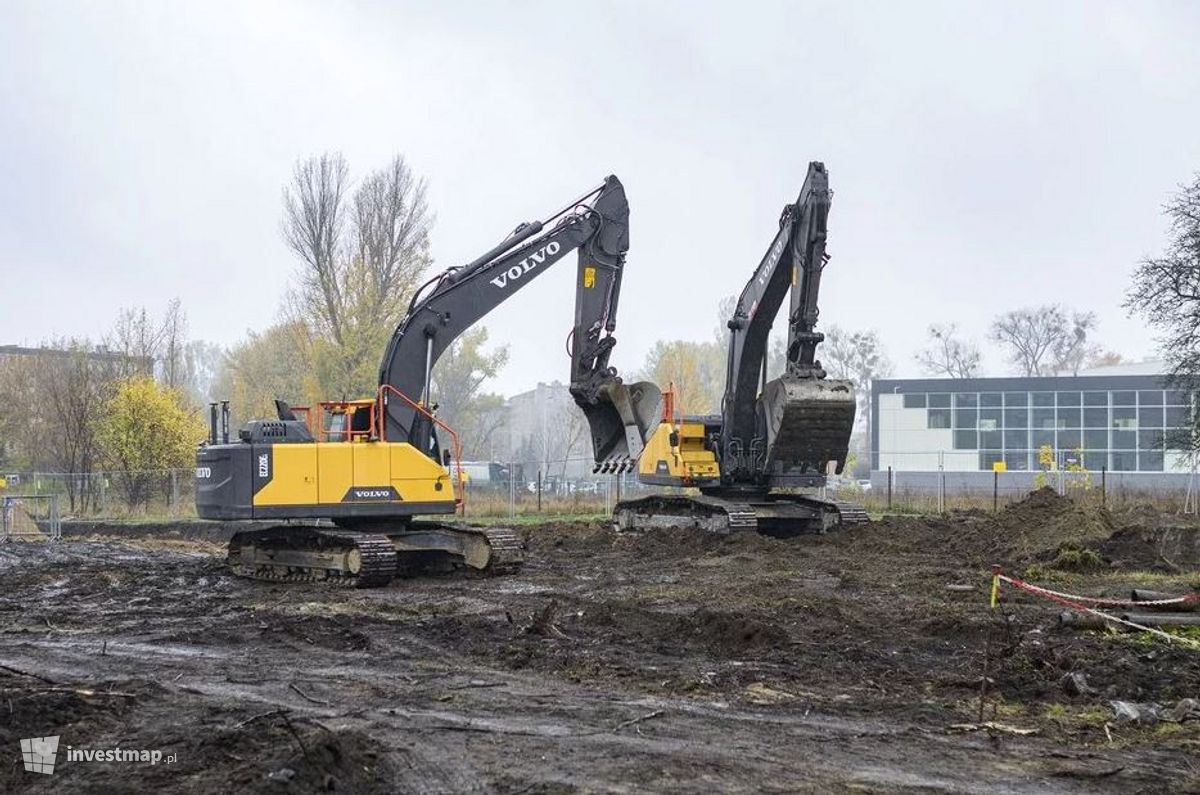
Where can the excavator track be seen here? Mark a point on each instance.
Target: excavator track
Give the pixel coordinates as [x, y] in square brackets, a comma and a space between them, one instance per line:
[313, 555]
[776, 515]
[348, 558]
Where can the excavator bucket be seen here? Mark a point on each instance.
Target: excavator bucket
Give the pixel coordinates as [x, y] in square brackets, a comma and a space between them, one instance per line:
[621, 420]
[808, 422]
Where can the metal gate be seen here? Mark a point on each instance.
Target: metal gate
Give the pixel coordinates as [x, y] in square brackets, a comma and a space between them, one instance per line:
[32, 516]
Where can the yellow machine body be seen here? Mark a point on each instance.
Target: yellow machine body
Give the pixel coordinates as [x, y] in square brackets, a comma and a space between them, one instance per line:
[333, 473]
[675, 455]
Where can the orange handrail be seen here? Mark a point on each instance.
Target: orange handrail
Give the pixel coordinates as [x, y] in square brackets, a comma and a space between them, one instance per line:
[460, 494]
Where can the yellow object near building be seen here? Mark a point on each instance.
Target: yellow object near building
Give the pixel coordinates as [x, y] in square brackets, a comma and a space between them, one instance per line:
[999, 466]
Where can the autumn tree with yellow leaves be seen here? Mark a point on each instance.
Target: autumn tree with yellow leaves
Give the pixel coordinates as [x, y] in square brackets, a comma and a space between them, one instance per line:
[144, 429]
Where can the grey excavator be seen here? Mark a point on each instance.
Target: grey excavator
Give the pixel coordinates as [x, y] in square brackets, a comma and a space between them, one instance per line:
[762, 462]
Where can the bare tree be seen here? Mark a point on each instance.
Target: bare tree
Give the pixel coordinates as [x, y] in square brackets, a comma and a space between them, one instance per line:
[391, 228]
[857, 356]
[314, 220]
[52, 401]
[1074, 346]
[1103, 358]
[1045, 340]
[361, 257]
[173, 353]
[949, 355]
[1166, 292]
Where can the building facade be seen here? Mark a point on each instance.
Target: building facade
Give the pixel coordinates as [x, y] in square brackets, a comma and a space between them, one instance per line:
[1128, 424]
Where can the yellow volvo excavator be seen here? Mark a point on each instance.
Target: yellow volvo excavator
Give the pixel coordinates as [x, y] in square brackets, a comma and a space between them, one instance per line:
[773, 438]
[346, 479]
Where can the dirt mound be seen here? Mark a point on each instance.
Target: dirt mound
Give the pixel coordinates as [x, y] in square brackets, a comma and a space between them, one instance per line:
[1032, 530]
[1170, 549]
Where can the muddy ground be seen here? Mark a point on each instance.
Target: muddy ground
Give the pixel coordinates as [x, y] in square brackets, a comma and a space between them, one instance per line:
[657, 662]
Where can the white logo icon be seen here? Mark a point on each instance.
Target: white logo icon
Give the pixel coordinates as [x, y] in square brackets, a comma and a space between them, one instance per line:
[527, 264]
[39, 753]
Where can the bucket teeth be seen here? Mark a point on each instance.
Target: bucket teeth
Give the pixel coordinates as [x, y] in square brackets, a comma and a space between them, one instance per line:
[617, 465]
[621, 418]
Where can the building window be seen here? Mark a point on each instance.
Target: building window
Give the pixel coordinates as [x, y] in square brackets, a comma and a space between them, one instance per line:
[1095, 461]
[1040, 439]
[1095, 399]
[1150, 397]
[990, 439]
[1124, 398]
[1016, 418]
[1124, 440]
[1095, 418]
[1016, 440]
[939, 418]
[989, 457]
[989, 399]
[1150, 440]
[965, 440]
[1069, 417]
[965, 418]
[1095, 439]
[1043, 419]
[939, 400]
[1017, 459]
[1043, 399]
[1070, 440]
[1176, 417]
[1124, 461]
[1150, 461]
[1150, 416]
[967, 400]
[1068, 399]
[914, 400]
[1176, 397]
[1124, 418]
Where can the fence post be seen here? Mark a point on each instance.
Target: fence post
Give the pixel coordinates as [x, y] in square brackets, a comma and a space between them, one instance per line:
[174, 493]
[889, 502]
[512, 490]
[539, 489]
[1104, 487]
[941, 490]
[995, 490]
[55, 525]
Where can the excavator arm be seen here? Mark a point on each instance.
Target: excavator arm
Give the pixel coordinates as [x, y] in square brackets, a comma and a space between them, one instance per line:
[596, 226]
[785, 431]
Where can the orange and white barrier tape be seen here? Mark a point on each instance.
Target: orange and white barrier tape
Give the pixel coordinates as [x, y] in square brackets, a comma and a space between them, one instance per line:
[1076, 602]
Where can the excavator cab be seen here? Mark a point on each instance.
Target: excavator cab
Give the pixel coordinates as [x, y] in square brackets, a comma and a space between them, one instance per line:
[347, 420]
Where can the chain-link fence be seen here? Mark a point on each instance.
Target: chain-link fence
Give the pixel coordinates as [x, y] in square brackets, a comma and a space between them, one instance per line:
[901, 482]
[938, 481]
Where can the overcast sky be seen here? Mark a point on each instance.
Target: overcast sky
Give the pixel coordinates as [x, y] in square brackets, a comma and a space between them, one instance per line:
[983, 156]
